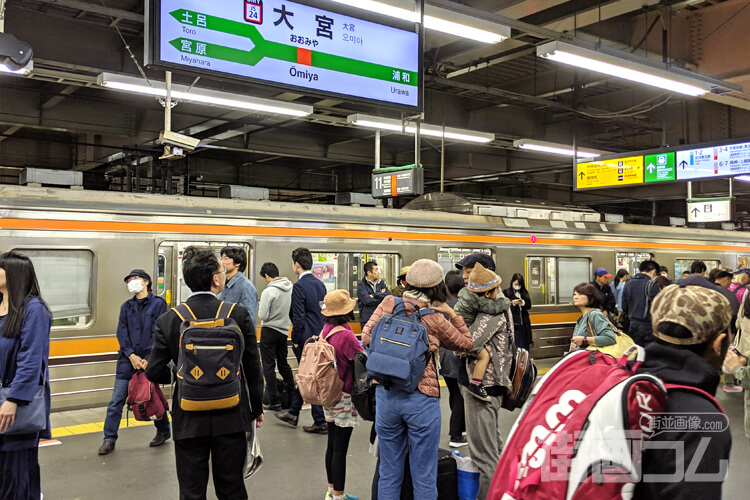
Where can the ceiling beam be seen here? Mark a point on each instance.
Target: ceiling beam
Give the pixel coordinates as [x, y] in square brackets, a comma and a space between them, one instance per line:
[96, 9]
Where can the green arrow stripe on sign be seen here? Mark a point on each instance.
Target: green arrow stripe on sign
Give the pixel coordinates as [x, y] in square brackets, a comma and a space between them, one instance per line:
[274, 50]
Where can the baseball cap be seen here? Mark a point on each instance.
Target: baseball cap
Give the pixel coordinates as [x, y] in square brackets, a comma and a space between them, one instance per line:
[140, 273]
[723, 274]
[600, 271]
[705, 312]
[472, 259]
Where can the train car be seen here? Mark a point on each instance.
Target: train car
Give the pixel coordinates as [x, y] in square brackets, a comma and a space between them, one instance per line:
[83, 243]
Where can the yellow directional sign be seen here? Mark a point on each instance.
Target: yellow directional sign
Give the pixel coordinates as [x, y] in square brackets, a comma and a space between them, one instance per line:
[609, 173]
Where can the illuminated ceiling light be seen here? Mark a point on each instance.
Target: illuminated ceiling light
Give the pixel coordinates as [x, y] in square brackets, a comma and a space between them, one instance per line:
[743, 178]
[437, 19]
[556, 149]
[21, 72]
[203, 96]
[623, 65]
[426, 129]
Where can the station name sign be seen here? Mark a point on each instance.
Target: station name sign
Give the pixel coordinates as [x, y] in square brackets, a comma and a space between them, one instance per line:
[648, 167]
[390, 184]
[288, 44]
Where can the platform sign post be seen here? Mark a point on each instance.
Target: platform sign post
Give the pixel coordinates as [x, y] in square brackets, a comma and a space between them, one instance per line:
[392, 182]
[709, 210]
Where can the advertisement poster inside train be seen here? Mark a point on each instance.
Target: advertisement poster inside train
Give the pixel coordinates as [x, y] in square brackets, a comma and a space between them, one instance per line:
[610, 173]
[292, 44]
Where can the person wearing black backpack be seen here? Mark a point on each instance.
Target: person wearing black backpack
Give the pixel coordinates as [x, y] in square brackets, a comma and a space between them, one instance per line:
[213, 436]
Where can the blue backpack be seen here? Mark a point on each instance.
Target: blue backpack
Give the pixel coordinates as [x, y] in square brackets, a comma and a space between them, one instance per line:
[399, 349]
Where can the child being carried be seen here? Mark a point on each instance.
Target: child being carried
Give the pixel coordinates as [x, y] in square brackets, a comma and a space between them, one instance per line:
[481, 296]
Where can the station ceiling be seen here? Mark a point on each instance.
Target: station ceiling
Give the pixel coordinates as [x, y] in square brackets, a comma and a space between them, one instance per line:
[58, 117]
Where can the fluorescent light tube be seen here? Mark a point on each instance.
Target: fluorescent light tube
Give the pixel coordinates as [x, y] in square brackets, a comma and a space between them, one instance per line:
[426, 129]
[556, 149]
[203, 96]
[21, 72]
[618, 67]
[382, 8]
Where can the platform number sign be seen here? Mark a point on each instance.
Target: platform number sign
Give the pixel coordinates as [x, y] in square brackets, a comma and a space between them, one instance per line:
[407, 182]
[254, 11]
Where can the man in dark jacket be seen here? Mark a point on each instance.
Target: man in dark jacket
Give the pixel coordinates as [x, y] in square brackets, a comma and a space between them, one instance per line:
[691, 325]
[307, 296]
[601, 282]
[637, 296]
[135, 336]
[215, 436]
[371, 291]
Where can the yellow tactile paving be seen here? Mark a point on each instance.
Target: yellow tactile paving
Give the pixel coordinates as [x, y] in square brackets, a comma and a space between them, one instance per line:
[75, 430]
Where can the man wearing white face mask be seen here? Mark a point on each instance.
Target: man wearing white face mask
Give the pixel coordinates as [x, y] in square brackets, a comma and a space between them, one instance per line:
[138, 316]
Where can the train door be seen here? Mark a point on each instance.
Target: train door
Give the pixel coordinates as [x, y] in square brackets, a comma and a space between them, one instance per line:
[164, 272]
[176, 290]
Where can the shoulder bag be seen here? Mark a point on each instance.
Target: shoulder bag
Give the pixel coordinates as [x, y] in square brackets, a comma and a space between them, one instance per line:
[622, 340]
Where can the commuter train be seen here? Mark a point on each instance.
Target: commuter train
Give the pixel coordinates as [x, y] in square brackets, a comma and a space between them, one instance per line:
[83, 243]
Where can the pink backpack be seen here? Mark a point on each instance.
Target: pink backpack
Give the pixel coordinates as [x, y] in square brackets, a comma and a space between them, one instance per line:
[581, 432]
[145, 398]
[318, 378]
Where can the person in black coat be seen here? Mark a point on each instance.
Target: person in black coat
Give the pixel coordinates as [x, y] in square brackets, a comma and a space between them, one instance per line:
[218, 435]
[520, 303]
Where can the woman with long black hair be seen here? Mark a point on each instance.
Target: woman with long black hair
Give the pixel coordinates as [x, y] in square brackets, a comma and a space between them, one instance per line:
[24, 353]
[520, 303]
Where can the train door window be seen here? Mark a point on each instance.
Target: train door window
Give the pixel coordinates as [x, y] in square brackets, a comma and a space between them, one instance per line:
[630, 261]
[550, 280]
[682, 265]
[66, 282]
[743, 261]
[447, 257]
[332, 270]
[175, 290]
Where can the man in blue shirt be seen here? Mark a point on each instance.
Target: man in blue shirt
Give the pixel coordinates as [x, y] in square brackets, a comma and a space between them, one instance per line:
[370, 292]
[135, 336]
[238, 289]
[307, 296]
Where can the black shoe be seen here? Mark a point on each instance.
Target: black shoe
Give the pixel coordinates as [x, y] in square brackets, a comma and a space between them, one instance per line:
[107, 447]
[316, 429]
[273, 407]
[287, 417]
[159, 439]
[478, 392]
[457, 442]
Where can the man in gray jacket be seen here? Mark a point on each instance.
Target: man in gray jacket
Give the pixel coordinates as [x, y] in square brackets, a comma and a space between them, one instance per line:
[275, 302]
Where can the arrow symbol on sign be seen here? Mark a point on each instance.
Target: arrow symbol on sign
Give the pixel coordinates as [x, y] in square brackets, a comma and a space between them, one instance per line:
[581, 175]
[651, 168]
[695, 212]
[682, 164]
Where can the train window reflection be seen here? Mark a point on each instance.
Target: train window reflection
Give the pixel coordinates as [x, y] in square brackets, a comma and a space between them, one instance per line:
[447, 257]
[682, 265]
[550, 280]
[66, 283]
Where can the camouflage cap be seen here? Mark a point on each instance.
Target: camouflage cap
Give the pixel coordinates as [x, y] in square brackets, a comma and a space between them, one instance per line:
[703, 311]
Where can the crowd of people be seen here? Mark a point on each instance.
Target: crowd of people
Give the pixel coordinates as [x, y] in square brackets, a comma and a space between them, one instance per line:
[685, 327]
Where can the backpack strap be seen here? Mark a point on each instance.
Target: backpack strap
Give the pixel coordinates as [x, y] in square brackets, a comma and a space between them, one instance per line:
[183, 311]
[335, 329]
[225, 310]
[678, 387]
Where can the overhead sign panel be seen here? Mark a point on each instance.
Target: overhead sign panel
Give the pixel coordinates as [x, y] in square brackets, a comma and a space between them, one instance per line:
[610, 173]
[709, 210]
[288, 44]
[659, 167]
[719, 161]
[398, 183]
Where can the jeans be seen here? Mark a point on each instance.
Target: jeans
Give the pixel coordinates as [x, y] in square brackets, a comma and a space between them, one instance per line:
[273, 351]
[407, 419]
[317, 411]
[114, 412]
[483, 434]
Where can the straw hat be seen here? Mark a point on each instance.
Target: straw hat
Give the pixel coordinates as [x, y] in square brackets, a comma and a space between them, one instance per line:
[403, 271]
[482, 279]
[338, 303]
[424, 273]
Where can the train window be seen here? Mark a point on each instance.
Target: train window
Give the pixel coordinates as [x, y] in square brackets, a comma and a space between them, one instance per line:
[66, 283]
[447, 257]
[743, 261]
[682, 265]
[630, 261]
[550, 280]
[170, 282]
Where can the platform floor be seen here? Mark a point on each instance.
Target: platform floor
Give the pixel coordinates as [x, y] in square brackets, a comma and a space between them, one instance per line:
[294, 467]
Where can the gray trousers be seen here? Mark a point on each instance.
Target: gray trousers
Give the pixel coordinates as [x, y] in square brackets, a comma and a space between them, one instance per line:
[483, 434]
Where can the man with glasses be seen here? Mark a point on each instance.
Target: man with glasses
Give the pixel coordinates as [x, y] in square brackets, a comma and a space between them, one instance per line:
[238, 289]
[216, 436]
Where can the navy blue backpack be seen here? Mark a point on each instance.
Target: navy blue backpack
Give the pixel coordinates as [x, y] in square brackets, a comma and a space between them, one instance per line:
[399, 349]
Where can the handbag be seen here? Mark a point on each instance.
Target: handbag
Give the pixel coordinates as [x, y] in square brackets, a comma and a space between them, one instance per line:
[622, 341]
[30, 418]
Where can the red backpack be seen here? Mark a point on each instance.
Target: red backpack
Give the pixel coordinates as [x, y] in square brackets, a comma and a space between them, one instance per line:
[145, 398]
[581, 432]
